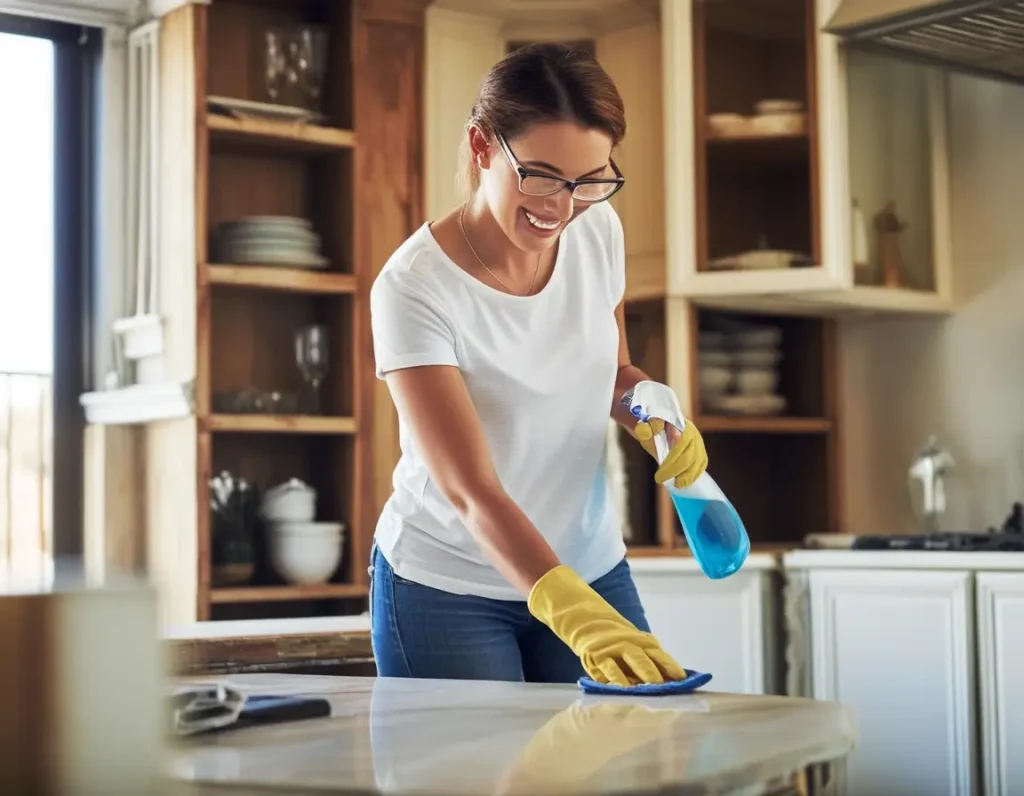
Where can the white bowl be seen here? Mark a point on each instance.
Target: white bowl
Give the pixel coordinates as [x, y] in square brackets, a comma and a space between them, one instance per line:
[304, 528]
[778, 106]
[716, 359]
[305, 559]
[759, 337]
[714, 379]
[756, 381]
[713, 341]
[292, 501]
[758, 357]
[752, 404]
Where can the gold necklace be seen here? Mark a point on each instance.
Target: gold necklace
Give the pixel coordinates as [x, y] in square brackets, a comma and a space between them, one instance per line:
[497, 278]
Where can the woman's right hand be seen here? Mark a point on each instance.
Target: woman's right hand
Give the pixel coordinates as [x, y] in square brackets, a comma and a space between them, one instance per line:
[611, 648]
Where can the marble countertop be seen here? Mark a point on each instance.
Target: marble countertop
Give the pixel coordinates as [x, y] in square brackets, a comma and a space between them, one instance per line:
[242, 628]
[422, 736]
[903, 559]
[688, 564]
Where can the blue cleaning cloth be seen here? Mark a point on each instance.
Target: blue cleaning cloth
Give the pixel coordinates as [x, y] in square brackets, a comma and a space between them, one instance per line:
[691, 682]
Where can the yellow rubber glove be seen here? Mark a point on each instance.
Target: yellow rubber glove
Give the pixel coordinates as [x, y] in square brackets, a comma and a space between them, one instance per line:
[610, 647]
[687, 457]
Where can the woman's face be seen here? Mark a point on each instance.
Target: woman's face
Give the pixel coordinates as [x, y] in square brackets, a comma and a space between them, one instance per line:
[560, 149]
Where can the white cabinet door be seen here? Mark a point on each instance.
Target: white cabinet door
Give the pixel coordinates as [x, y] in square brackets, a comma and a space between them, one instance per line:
[1000, 597]
[715, 626]
[896, 645]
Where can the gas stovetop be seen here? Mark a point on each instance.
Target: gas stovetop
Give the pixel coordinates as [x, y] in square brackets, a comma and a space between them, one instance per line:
[1008, 538]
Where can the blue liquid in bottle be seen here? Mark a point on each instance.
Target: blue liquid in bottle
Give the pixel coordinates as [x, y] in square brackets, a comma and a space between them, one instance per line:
[713, 529]
[714, 532]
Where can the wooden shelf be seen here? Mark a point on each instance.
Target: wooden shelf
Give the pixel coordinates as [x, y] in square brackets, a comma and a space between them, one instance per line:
[746, 138]
[763, 425]
[279, 594]
[293, 136]
[293, 280]
[280, 424]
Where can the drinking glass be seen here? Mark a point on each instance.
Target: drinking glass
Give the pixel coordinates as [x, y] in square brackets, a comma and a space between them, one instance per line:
[311, 352]
[274, 63]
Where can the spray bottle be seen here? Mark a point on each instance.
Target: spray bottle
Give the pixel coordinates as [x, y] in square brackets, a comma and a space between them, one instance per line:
[712, 527]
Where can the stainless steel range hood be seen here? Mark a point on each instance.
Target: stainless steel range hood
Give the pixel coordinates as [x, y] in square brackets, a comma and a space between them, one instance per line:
[981, 37]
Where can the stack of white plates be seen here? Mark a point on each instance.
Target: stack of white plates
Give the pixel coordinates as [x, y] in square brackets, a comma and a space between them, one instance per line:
[270, 240]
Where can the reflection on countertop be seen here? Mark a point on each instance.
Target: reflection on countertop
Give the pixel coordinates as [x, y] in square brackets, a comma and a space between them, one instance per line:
[403, 736]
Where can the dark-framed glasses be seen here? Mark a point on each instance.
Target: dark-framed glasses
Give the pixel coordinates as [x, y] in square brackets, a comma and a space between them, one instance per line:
[540, 183]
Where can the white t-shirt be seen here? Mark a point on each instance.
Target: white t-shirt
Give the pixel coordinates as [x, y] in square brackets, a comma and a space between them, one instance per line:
[541, 374]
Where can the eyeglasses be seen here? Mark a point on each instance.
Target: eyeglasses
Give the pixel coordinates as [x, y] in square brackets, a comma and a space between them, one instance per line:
[538, 183]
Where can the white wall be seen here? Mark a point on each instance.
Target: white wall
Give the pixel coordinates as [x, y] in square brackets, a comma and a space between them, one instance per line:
[962, 377]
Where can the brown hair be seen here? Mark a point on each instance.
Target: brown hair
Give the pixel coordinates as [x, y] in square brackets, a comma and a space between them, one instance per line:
[543, 83]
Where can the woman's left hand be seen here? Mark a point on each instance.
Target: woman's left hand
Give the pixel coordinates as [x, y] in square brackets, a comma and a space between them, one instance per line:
[687, 457]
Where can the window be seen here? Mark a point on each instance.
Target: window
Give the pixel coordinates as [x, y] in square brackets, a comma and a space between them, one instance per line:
[47, 72]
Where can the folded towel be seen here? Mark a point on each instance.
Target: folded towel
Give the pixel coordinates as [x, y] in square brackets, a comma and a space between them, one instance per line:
[691, 682]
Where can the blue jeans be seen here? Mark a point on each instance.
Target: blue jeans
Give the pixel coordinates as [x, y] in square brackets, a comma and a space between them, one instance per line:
[423, 632]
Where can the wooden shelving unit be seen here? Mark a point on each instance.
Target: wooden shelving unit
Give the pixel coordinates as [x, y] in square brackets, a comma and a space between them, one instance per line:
[751, 189]
[248, 314]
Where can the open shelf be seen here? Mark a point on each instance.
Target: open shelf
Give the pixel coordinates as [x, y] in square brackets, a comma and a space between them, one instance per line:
[265, 460]
[236, 50]
[755, 191]
[293, 280]
[778, 470]
[243, 184]
[268, 594]
[281, 424]
[287, 136]
[801, 369]
[252, 345]
[738, 424]
[779, 484]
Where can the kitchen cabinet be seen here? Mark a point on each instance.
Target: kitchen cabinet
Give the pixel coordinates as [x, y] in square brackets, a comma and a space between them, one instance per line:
[844, 209]
[898, 646]
[1000, 606]
[725, 627]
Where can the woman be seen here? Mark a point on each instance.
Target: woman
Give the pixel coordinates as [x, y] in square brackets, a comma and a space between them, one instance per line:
[499, 329]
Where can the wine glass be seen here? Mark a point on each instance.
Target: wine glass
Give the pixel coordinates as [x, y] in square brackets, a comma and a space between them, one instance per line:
[274, 62]
[311, 355]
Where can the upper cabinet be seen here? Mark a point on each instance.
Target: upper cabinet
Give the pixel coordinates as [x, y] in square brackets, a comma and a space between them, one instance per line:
[800, 175]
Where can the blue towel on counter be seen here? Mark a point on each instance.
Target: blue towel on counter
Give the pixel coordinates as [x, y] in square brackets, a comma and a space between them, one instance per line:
[691, 682]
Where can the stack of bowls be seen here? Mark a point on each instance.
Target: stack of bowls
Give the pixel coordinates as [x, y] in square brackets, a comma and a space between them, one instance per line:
[302, 551]
[716, 369]
[739, 370]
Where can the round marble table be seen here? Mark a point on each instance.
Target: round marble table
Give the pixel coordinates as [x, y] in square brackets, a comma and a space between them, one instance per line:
[460, 738]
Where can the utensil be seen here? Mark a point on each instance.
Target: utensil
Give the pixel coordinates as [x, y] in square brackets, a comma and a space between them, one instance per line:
[311, 353]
